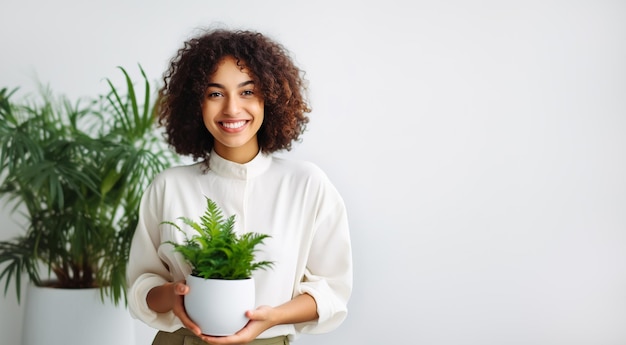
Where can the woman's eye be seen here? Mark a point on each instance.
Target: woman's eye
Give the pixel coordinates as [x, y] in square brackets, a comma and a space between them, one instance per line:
[213, 94]
[248, 93]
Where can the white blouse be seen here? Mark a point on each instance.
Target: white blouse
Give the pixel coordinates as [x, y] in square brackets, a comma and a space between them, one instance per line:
[292, 201]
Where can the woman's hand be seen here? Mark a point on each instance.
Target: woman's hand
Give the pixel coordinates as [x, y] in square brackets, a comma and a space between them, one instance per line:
[169, 296]
[301, 308]
[260, 320]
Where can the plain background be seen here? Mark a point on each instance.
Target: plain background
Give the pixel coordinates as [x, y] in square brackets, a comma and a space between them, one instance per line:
[480, 147]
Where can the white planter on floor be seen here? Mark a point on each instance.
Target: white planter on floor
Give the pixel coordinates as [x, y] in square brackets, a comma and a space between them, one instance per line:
[219, 306]
[74, 317]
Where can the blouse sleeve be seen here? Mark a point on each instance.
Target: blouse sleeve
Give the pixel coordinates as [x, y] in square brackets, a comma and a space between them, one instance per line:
[147, 268]
[328, 274]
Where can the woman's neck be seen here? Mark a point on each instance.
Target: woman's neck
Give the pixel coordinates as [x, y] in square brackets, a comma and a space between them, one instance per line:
[241, 155]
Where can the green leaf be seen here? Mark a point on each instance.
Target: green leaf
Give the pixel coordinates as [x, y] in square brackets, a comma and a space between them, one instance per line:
[109, 181]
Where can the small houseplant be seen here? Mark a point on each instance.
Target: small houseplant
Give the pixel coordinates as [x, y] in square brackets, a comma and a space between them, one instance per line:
[75, 172]
[222, 263]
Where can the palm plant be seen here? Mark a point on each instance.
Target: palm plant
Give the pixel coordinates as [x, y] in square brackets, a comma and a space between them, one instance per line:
[76, 173]
[216, 251]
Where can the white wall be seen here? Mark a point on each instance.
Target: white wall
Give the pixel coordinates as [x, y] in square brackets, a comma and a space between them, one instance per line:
[480, 147]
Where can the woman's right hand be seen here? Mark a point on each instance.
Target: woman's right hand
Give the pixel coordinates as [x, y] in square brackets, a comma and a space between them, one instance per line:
[169, 297]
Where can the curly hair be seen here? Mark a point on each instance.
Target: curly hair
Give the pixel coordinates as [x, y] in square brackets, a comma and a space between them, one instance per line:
[281, 83]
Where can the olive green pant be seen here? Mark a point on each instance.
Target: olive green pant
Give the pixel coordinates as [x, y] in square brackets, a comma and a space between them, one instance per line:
[184, 336]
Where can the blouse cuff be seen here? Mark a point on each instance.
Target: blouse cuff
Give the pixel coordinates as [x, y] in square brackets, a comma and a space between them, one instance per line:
[330, 309]
[138, 305]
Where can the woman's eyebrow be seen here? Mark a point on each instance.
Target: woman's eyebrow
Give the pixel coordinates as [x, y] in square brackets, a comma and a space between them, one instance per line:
[220, 86]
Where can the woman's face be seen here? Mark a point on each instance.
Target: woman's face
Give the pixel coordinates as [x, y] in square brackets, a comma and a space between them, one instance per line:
[232, 110]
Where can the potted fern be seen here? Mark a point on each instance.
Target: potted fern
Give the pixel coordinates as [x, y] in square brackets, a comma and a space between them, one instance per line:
[222, 262]
[74, 172]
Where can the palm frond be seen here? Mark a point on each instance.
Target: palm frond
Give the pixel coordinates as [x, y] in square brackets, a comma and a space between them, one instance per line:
[76, 171]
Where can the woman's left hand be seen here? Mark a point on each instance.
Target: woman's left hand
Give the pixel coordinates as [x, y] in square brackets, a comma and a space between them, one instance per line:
[301, 308]
[260, 320]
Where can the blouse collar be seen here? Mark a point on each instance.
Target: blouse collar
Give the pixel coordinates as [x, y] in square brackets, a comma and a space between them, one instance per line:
[258, 165]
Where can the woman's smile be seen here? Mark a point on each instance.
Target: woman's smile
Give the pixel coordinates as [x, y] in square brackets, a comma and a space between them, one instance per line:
[232, 126]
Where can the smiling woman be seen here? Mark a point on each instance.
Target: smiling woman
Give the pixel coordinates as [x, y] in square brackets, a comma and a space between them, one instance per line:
[230, 100]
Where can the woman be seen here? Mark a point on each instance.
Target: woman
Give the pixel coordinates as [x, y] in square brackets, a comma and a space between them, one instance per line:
[230, 100]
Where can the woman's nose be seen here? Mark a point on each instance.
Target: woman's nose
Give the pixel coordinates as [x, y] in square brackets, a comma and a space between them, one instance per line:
[232, 106]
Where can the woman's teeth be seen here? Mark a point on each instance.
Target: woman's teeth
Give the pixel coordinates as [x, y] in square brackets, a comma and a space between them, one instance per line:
[233, 124]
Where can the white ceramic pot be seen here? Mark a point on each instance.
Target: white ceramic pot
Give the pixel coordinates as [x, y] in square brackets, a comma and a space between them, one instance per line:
[74, 317]
[218, 306]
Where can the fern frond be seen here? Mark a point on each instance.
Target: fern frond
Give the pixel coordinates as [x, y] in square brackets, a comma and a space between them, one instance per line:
[215, 251]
